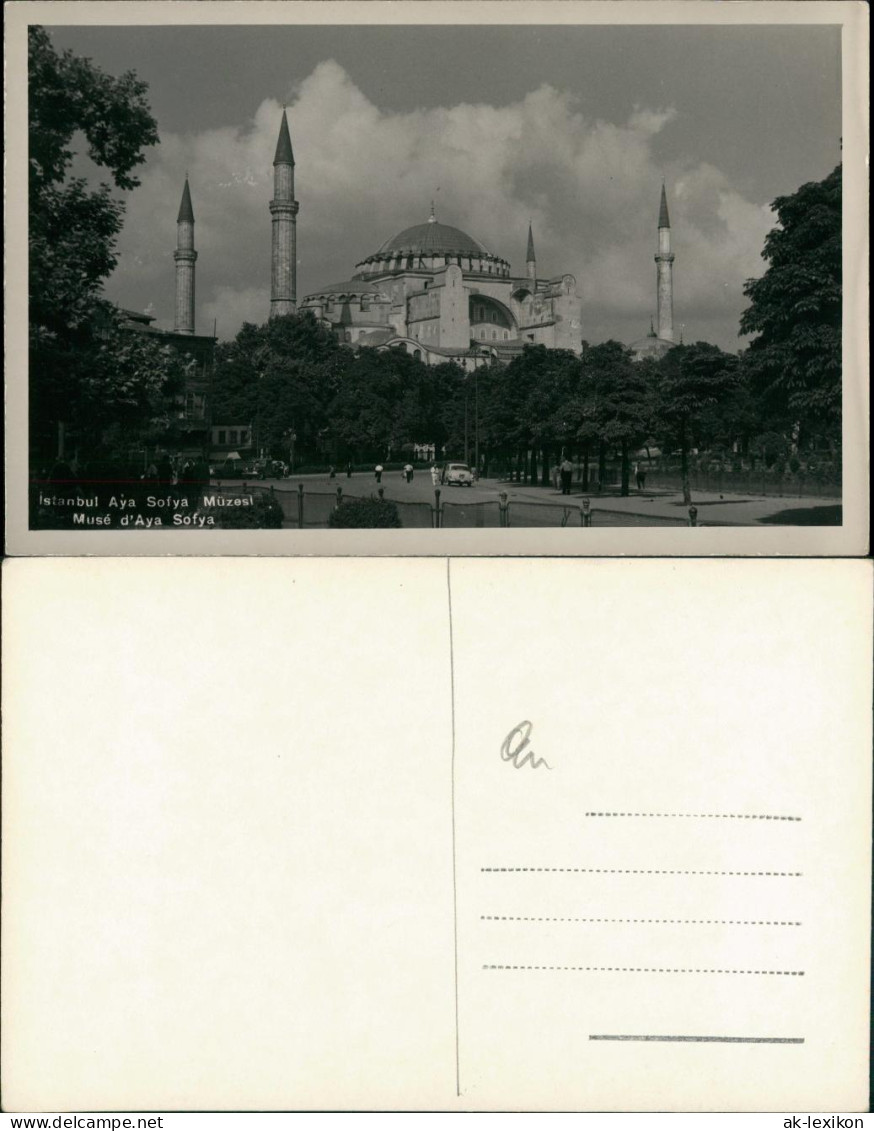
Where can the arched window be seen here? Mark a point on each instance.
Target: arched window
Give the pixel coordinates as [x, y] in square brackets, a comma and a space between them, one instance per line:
[494, 335]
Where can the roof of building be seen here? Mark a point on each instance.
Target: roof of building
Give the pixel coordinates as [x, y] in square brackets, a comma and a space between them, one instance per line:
[186, 212]
[651, 346]
[432, 238]
[135, 315]
[349, 287]
[376, 337]
[284, 154]
[664, 220]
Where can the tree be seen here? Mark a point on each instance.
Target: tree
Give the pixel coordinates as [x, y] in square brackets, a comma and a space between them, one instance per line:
[72, 231]
[619, 401]
[280, 377]
[795, 311]
[525, 406]
[429, 398]
[363, 414]
[693, 380]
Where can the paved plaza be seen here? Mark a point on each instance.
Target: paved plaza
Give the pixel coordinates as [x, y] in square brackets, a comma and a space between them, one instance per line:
[730, 509]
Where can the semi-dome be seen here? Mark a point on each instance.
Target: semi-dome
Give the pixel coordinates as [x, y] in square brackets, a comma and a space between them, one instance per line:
[432, 238]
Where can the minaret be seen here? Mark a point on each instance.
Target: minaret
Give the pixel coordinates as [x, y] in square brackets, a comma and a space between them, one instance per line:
[283, 209]
[185, 257]
[664, 268]
[530, 259]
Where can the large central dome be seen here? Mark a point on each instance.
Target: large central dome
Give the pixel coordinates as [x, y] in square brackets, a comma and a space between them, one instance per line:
[432, 238]
[430, 248]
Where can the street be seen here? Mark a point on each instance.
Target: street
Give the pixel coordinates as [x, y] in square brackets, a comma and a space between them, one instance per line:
[743, 510]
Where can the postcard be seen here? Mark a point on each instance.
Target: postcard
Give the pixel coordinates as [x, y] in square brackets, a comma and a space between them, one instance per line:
[590, 275]
[386, 834]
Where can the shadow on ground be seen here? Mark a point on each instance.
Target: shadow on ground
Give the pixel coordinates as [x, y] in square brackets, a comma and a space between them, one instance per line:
[808, 516]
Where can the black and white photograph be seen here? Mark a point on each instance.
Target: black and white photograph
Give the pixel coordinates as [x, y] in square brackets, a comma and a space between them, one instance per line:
[305, 277]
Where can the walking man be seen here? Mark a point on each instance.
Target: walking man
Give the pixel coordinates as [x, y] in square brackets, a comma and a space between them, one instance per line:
[567, 471]
[377, 471]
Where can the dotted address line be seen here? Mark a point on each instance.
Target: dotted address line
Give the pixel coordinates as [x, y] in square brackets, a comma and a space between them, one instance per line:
[651, 970]
[644, 871]
[575, 919]
[708, 816]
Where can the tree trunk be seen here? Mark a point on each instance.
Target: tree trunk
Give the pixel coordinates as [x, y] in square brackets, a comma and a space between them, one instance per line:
[586, 466]
[544, 471]
[625, 469]
[602, 464]
[532, 468]
[684, 468]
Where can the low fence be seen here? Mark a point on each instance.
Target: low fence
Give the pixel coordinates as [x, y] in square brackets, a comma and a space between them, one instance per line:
[311, 510]
[802, 484]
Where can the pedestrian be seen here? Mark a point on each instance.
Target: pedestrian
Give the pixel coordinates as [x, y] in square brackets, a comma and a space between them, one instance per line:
[566, 469]
[638, 477]
[377, 471]
[332, 472]
[165, 470]
[349, 469]
[435, 474]
[641, 478]
[408, 471]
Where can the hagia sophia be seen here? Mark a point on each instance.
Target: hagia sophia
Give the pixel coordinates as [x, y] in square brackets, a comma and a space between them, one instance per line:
[431, 289]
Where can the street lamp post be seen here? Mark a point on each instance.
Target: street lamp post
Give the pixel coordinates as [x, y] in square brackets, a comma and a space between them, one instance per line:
[472, 354]
[466, 459]
[291, 437]
[476, 416]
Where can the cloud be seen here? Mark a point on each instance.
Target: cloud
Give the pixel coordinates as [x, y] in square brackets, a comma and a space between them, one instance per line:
[590, 188]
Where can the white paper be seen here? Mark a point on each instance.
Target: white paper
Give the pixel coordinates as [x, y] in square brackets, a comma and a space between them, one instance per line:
[261, 841]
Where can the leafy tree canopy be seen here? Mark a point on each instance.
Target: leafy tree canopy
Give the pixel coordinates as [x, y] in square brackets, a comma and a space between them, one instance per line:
[73, 228]
[795, 308]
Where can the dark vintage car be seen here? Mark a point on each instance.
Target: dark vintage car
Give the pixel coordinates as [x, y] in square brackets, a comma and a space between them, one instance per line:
[231, 469]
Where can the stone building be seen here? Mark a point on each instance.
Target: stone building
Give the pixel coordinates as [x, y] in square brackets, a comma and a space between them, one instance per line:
[432, 289]
[441, 295]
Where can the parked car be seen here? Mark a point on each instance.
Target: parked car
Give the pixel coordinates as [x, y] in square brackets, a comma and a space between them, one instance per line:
[457, 474]
[229, 469]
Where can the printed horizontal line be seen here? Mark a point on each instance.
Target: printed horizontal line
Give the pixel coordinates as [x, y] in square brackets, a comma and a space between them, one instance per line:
[644, 871]
[582, 919]
[648, 969]
[706, 1040]
[701, 816]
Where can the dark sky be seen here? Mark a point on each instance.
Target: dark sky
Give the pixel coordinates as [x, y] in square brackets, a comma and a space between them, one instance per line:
[732, 116]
